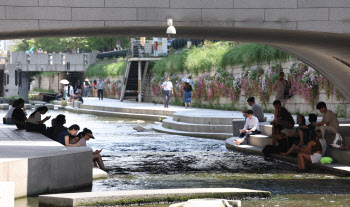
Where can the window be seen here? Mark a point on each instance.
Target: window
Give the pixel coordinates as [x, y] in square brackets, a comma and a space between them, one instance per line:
[8, 79]
[16, 77]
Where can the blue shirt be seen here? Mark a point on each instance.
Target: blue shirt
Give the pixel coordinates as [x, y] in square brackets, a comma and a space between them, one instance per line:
[61, 136]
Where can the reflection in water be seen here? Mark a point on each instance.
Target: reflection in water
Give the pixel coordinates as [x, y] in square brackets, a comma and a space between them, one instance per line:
[151, 160]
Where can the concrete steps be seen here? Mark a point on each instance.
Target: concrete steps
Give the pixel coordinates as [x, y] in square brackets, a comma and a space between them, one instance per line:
[191, 127]
[340, 168]
[210, 120]
[160, 111]
[259, 140]
[219, 136]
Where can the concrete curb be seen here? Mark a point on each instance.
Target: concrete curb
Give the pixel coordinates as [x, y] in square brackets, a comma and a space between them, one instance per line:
[113, 198]
[219, 136]
[339, 169]
[118, 114]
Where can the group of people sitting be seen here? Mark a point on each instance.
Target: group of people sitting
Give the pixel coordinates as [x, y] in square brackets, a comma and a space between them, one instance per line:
[309, 142]
[68, 137]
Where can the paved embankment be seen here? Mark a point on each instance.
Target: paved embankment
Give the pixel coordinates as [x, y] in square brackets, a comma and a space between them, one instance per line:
[37, 164]
[112, 198]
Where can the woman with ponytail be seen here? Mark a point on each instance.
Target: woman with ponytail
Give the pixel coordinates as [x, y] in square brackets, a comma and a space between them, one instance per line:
[34, 122]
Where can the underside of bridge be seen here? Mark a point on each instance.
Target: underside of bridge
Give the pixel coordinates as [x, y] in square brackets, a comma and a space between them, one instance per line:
[328, 53]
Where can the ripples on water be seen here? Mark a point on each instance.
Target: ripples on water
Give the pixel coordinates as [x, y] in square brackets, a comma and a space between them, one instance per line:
[151, 160]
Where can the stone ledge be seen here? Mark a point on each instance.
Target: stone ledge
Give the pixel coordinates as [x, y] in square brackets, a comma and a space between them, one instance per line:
[113, 198]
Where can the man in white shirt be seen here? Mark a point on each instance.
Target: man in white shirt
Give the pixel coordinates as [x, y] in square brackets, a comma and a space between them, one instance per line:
[167, 86]
[251, 127]
[40, 50]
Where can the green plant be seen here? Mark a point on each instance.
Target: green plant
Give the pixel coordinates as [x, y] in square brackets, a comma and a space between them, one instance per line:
[160, 119]
[63, 103]
[107, 70]
[341, 110]
[44, 90]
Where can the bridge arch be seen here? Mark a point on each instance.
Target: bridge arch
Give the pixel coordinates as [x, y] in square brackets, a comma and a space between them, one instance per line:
[316, 32]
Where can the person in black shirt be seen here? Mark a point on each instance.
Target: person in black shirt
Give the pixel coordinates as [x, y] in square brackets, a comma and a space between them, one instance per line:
[18, 115]
[78, 86]
[78, 97]
[58, 128]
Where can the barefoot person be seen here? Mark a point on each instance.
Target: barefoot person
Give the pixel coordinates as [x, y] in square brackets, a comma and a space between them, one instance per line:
[278, 137]
[316, 152]
[168, 87]
[251, 127]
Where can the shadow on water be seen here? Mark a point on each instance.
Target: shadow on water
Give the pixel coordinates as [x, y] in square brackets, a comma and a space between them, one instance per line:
[151, 160]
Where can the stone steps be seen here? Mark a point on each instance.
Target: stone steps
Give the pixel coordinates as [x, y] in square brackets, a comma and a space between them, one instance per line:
[211, 120]
[160, 111]
[259, 140]
[219, 136]
[191, 127]
[341, 165]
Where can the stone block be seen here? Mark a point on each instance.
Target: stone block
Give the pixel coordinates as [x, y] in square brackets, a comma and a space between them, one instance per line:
[104, 14]
[19, 2]
[193, 4]
[18, 25]
[237, 124]
[50, 106]
[296, 14]
[233, 15]
[4, 106]
[52, 24]
[267, 25]
[339, 14]
[323, 3]
[28, 106]
[47, 13]
[2, 12]
[251, 4]
[73, 3]
[39, 179]
[7, 192]
[137, 3]
[135, 23]
[158, 14]
[38, 105]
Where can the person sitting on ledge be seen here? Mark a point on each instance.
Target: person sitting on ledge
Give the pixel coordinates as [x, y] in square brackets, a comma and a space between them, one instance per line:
[84, 136]
[34, 122]
[329, 125]
[304, 132]
[282, 116]
[78, 97]
[251, 127]
[64, 139]
[59, 94]
[8, 116]
[312, 153]
[256, 108]
[18, 115]
[58, 128]
[278, 137]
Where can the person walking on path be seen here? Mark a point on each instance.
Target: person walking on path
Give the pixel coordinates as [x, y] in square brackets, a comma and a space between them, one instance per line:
[329, 125]
[71, 93]
[257, 109]
[167, 86]
[280, 86]
[100, 84]
[187, 94]
[78, 86]
[86, 88]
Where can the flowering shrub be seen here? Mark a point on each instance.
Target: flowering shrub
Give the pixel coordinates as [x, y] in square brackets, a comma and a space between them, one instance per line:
[254, 81]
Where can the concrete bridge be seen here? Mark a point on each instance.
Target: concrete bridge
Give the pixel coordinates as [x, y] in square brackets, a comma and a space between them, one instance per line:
[315, 31]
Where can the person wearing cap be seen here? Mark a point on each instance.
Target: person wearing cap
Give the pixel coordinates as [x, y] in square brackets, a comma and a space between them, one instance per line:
[84, 136]
[78, 97]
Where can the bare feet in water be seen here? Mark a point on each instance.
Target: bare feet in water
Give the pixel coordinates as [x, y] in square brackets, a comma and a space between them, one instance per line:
[283, 153]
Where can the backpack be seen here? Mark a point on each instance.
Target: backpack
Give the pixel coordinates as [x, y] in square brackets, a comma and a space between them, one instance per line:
[288, 93]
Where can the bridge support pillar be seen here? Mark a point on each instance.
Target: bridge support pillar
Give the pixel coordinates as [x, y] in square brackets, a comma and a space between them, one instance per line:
[139, 76]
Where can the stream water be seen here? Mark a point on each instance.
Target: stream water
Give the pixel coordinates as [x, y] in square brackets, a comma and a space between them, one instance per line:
[151, 160]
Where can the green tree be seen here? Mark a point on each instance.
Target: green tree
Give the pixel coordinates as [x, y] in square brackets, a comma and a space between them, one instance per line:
[106, 43]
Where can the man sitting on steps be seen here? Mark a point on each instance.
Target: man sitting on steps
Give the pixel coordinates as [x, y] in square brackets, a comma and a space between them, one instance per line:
[256, 108]
[329, 125]
[251, 127]
[282, 116]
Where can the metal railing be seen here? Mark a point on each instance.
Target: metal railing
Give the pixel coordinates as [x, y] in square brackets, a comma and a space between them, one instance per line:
[148, 48]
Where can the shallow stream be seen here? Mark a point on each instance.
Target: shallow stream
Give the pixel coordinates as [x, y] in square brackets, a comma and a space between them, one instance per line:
[151, 160]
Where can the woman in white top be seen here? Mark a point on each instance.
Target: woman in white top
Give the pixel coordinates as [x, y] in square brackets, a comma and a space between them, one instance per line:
[71, 93]
[34, 122]
[8, 116]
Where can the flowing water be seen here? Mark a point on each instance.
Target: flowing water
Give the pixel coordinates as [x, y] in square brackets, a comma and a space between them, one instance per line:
[151, 160]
